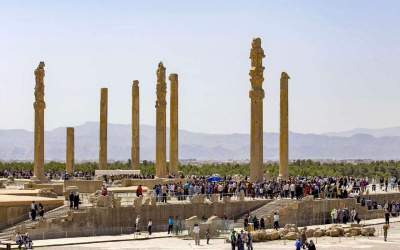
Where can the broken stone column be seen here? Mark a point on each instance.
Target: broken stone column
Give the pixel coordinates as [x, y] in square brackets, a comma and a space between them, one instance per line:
[39, 106]
[70, 155]
[135, 150]
[161, 117]
[256, 95]
[103, 128]
[284, 128]
[174, 130]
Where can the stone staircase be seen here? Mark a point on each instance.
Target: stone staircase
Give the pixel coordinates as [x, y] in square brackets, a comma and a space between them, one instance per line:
[267, 211]
[9, 233]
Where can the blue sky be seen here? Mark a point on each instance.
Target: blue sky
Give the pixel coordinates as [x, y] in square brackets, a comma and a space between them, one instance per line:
[343, 58]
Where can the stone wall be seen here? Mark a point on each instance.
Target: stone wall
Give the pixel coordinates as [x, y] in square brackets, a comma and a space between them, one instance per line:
[115, 220]
[382, 198]
[10, 215]
[148, 182]
[84, 186]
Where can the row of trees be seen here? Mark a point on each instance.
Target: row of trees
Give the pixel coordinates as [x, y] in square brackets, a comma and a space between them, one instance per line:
[296, 168]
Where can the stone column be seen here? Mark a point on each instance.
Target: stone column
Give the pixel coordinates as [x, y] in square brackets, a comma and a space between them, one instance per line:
[284, 128]
[70, 157]
[161, 164]
[103, 129]
[39, 106]
[135, 149]
[256, 95]
[173, 127]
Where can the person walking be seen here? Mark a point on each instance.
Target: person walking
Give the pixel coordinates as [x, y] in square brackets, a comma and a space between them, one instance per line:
[71, 200]
[249, 241]
[41, 211]
[33, 210]
[387, 216]
[76, 201]
[276, 220]
[137, 224]
[170, 224]
[196, 234]
[233, 239]
[297, 244]
[334, 215]
[208, 236]
[149, 225]
[385, 231]
[311, 245]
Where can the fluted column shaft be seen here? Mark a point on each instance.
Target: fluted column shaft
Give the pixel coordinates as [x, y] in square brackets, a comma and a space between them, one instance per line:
[70, 152]
[135, 150]
[174, 129]
[103, 128]
[39, 106]
[284, 127]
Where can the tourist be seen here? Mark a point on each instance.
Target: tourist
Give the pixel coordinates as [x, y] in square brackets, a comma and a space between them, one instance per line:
[149, 225]
[76, 201]
[233, 239]
[196, 234]
[139, 191]
[18, 240]
[249, 241]
[104, 190]
[334, 215]
[170, 224]
[27, 241]
[262, 223]
[137, 224]
[303, 237]
[208, 236]
[276, 220]
[33, 210]
[179, 225]
[311, 245]
[239, 241]
[41, 211]
[71, 200]
[387, 215]
[297, 244]
[385, 231]
[164, 193]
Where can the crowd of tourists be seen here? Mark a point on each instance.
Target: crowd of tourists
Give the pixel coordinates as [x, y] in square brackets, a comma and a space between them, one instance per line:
[294, 188]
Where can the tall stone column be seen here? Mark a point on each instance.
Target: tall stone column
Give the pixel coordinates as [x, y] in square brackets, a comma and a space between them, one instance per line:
[70, 157]
[161, 117]
[103, 128]
[39, 106]
[284, 128]
[256, 95]
[135, 149]
[173, 128]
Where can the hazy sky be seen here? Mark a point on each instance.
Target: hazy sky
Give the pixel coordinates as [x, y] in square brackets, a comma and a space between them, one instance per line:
[343, 58]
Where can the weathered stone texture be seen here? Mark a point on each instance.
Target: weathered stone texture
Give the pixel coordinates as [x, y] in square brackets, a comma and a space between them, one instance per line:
[103, 128]
[173, 137]
[256, 95]
[135, 150]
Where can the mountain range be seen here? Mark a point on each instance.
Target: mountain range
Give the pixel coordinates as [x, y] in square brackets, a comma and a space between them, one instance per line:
[374, 144]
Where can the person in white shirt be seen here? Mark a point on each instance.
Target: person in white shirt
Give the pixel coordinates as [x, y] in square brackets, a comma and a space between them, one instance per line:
[196, 233]
[276, 220]
[149, 225]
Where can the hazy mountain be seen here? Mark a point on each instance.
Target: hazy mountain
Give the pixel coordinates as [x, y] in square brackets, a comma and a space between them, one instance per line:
[382, 132]
[18, 145]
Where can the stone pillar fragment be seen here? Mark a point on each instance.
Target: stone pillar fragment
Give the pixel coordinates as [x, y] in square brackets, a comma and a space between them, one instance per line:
[161, 117]
[103, 128]
[174, 130]
[284, 127]
[70, 155]
[135, 149]
[39, 106]
[256, 95]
